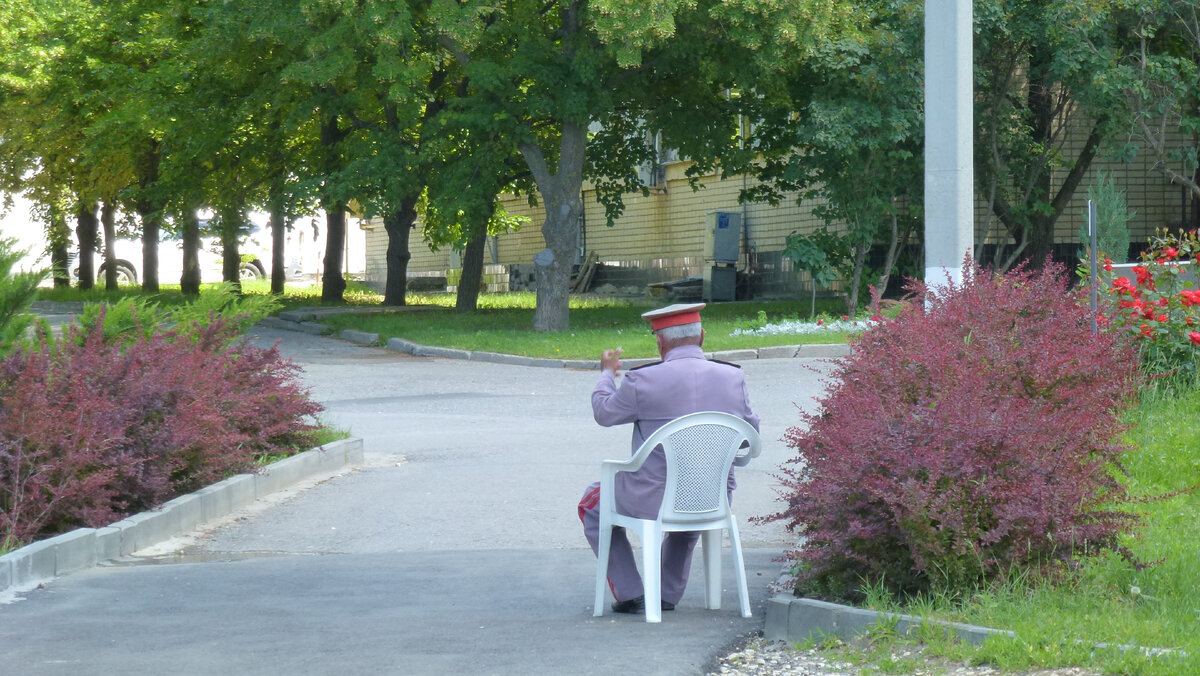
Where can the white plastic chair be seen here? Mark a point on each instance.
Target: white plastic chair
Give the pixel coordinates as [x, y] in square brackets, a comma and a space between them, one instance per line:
[699, 448]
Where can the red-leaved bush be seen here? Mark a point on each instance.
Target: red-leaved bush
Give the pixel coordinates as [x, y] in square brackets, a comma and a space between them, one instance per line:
[962, 439]
[93, 429]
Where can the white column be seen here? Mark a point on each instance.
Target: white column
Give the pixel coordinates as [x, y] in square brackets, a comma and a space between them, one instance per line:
[949, 123]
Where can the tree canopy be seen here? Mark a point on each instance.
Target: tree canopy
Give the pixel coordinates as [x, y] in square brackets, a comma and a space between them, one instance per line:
[422, 110]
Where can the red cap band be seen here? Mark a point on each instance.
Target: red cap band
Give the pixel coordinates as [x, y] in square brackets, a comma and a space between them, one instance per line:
[674, 320]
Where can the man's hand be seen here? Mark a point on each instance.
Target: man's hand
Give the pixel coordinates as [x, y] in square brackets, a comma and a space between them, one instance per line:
[610, 360]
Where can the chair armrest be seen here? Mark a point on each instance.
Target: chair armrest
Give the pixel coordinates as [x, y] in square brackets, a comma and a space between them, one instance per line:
[752, 447]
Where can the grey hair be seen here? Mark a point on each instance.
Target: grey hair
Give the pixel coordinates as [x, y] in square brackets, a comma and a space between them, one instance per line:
[679, 331]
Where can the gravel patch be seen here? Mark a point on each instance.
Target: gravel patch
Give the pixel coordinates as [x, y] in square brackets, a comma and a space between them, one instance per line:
[776, 658]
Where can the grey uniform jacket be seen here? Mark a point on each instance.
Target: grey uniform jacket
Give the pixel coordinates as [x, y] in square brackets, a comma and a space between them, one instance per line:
[651, 396]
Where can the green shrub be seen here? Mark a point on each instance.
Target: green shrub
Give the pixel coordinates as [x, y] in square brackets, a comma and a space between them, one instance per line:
[17, 290]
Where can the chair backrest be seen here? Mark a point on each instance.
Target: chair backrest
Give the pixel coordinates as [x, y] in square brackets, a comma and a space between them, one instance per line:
[699, 450]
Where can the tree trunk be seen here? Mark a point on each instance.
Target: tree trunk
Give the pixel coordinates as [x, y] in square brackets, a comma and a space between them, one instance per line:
[232, 221]
[333, 282]
[85, 232]
[472, 272]
[860, 261]
[150, 213]
[151, 231]
[890, 261]
[108, 217]
[59, 235]
[189, 281]
[561, 195]
[278, 238]
[1040, 100]
[399, 225]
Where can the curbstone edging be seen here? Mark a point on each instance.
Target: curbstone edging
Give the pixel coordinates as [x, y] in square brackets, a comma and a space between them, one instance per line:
[108, 544]
[799, 619]
[277, 323]
[778, 351]
[315, 328]
[446, 352]
[735, 355]
[401, 345]
[502, 358]
[74, 551]
[33, 564]
[360, 337]
[824, 350]
[297, 316]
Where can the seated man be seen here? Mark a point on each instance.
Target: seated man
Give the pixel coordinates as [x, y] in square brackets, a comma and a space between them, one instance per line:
[649, 397]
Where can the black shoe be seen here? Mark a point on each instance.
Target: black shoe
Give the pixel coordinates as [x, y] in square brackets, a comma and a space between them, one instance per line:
[637, 605]
[631, 606]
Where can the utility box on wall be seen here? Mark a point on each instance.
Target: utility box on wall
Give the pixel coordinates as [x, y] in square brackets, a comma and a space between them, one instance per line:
[719, 283]
[723, 237]
[722, 248]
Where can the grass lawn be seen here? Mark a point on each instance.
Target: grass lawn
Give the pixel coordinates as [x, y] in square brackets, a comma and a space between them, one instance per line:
[503, 322]
[1109, 601]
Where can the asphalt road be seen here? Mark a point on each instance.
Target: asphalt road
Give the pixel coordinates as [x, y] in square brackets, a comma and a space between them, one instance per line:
[454, 550]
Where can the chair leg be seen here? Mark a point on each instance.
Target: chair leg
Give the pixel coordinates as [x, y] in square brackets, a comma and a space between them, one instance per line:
[602, 567]
[710, 541]
[652, 570]
[739, 566]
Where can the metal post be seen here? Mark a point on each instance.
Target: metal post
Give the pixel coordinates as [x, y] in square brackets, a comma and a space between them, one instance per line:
[949, 125]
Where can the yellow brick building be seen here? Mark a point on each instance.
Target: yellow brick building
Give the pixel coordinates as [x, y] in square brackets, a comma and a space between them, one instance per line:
[660, 237]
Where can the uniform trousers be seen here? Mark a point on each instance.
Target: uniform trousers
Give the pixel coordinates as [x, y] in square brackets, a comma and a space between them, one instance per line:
[623, 577]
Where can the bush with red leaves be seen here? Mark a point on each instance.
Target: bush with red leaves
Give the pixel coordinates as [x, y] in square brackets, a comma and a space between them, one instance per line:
[961, 440]
[94, 429]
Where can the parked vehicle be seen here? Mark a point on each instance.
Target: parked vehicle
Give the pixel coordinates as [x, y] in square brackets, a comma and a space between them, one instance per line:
[128, 259]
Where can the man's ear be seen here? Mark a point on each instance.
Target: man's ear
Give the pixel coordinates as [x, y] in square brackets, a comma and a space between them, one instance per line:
[701, 337]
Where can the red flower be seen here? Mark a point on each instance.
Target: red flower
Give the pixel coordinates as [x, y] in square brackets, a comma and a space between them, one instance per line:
[845, 318]
[1194, 336]
[1108, 264]
[1146, 331]
[820, 322]
[1122, 285]
[1161, 318]
[1144, 278]
[1170, 253]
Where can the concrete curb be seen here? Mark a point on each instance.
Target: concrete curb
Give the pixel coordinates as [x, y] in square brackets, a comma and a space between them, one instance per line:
[799, 619]
[302, 320]
[31, 565]
[360, 337]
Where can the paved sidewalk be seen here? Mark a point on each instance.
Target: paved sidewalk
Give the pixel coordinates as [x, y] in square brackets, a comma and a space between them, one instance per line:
[455, 549]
